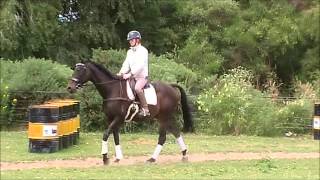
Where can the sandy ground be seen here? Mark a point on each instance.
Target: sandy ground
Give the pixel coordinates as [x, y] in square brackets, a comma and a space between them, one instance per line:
[163, 159]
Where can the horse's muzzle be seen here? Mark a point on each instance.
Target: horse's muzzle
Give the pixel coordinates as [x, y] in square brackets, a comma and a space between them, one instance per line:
[72, 87]
[70, 90]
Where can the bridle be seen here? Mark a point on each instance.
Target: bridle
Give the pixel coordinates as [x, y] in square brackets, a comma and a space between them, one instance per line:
[79, 84]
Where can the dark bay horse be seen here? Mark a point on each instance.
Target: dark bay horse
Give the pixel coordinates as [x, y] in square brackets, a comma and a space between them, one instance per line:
[116, 103]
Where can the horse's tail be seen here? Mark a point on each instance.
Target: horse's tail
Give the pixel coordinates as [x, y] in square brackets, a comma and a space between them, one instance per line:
[187, 117]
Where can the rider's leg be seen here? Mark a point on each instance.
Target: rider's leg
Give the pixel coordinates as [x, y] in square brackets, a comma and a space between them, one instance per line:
[141, 82]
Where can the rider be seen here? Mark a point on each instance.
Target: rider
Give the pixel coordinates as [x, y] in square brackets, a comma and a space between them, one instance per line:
[136, 66]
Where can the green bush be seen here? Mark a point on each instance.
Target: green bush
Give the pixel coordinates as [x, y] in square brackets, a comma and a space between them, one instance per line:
[167, 70]
[233, 106]
[295, 116]
[35, 75]
[6, 106]
[111, 59]
[30, 81]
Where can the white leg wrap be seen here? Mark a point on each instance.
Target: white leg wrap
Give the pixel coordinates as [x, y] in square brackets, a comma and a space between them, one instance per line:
[104, 147]
[181, 143]
[118, 152]
[157, 151]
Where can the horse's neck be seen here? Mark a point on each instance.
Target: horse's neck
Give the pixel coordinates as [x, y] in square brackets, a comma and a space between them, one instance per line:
[102, 81]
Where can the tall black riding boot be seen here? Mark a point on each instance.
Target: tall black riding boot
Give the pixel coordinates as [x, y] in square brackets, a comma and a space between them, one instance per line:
[144, 111]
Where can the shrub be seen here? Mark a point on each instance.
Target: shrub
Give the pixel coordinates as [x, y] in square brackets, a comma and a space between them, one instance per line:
[295, 116]
[164, 69]
[35, 75]
[111, 59]
[6, 106]
[28, 82]
[233, 106]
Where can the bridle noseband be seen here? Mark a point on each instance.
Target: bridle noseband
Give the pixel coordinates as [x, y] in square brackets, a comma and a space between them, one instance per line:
[77, 81]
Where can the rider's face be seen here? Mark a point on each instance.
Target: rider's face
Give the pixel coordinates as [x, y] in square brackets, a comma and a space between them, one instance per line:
[133, 42]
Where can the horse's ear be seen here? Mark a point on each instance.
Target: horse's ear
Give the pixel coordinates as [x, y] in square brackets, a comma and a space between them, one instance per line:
[83, 60]
[72, 66]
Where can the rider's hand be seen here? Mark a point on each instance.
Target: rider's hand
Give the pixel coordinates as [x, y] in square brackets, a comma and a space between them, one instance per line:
[127, 76]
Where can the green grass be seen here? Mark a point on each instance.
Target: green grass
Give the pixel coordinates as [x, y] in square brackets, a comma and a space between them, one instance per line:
[253, 169]
[14, 145]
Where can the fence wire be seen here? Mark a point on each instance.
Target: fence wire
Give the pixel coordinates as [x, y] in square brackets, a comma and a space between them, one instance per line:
[21, 109]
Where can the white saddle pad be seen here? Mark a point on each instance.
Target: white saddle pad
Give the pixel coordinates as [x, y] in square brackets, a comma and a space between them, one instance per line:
[149, 93]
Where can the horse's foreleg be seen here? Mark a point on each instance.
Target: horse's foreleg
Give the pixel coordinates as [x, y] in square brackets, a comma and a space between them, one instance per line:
[104, 145]
[161, 141]
[116, 137]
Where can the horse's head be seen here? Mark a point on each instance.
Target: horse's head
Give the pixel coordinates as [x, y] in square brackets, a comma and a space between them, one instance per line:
[80, 76]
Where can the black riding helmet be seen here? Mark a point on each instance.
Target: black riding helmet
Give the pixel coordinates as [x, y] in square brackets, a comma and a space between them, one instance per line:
[133, 35]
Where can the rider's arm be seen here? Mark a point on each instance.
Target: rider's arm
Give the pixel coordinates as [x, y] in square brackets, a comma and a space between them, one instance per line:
[125, 65]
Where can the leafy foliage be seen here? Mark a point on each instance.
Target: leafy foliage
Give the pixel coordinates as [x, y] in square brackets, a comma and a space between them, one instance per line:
[296, 115]
[232, 107]
[34, 75]
[23, 82]
[6, 106]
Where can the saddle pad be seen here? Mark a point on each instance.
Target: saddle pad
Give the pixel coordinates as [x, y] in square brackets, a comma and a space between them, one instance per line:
[149, 93]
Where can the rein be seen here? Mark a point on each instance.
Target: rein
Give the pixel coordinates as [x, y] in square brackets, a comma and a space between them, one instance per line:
[108, 82]
[120, 98]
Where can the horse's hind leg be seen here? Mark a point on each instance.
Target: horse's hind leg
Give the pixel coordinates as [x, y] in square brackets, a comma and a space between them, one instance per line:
[161, 141]
[176, 132]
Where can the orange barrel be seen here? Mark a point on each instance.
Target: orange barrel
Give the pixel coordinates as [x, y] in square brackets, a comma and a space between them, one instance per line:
[76, 117]
[65, 122]
[71, 110]
[43, 129]
[316, 121]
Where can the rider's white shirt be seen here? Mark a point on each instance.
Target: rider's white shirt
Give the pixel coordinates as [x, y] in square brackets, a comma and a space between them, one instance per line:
[136, 62]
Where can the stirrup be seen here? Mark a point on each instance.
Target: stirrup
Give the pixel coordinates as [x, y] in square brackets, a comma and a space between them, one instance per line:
[143, 112]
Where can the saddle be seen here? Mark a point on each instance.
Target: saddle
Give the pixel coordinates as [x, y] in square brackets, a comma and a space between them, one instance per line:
[132, 84]
[149, 92]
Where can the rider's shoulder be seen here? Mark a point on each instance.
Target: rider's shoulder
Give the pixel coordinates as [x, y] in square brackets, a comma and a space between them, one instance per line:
[143, 48]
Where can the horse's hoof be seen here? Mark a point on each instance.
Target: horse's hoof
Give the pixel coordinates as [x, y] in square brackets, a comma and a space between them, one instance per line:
[151, 160]
[116, 161]
[106, 160]
[184, 159]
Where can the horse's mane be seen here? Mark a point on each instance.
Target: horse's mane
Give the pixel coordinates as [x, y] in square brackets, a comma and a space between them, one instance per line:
[103, 69]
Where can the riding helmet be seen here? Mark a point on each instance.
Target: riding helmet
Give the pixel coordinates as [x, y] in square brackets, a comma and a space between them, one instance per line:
[133, 35]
